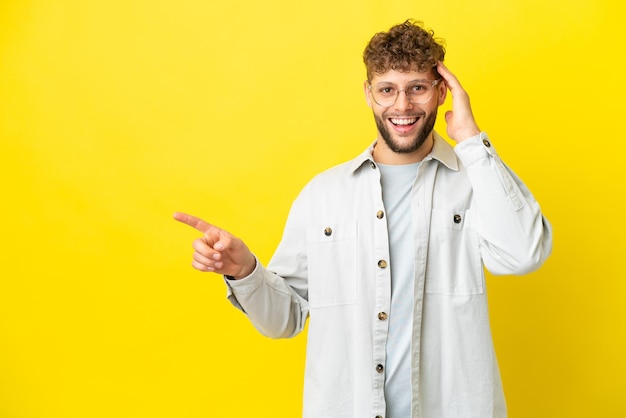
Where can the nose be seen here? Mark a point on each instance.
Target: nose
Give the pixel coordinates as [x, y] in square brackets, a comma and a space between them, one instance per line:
[402, 101]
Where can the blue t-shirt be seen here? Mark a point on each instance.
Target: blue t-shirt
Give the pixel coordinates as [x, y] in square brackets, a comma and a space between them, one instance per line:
[397, 182]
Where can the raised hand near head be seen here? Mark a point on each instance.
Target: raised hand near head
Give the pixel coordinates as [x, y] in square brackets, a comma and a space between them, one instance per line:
[460, 120]
[218, 251]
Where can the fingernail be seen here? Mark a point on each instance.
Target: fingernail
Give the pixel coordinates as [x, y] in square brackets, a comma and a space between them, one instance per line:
[219, 246]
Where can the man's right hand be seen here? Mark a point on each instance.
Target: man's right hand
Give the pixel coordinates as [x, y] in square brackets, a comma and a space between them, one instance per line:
[218, 251]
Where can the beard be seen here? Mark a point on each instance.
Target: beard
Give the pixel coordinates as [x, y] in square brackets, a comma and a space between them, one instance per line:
[420, 136]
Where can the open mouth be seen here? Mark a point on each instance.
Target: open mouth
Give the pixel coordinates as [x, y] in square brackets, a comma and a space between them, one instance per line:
[403, 121]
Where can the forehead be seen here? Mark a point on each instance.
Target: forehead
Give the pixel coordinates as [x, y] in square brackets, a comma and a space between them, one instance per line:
[401, 77]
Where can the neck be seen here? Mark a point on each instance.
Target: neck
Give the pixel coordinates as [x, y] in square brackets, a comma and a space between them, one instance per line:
[384, 155]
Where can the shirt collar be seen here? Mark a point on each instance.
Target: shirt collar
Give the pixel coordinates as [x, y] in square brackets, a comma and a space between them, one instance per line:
[442, 151]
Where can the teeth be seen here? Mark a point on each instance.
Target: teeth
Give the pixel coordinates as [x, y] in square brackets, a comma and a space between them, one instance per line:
[397, 121]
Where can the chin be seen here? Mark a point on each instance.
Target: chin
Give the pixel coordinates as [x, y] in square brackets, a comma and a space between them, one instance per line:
[405, 146]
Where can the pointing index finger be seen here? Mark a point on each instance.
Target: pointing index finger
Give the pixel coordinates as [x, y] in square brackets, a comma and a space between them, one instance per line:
[194, 222]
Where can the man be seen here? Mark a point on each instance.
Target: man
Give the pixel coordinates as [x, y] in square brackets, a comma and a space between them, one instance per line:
[385, 253]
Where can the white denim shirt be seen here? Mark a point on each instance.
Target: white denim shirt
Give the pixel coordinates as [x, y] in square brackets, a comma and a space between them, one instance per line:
[469, 211]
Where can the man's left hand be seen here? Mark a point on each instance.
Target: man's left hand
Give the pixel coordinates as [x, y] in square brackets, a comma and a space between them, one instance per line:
[460, 120]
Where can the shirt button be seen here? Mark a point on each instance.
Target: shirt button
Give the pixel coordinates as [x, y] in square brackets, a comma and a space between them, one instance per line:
[328, 232]
[380, 214]
[382, 264]
[486, 143]
[372, 164]
[382, 316]
[379, 368]
[457, 219]
[379, 416]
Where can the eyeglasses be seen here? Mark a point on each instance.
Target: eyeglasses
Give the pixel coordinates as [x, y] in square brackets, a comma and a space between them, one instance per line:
[418, 92]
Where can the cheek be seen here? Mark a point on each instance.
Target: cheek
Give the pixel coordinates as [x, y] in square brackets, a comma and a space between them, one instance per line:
[380, 113]
[433, 106]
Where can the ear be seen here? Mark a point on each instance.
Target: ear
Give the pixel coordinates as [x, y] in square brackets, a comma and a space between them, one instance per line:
[366, 90]
[442, 91]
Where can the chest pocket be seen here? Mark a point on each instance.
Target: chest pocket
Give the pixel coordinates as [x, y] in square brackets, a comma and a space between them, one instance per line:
[332, 265]
[454, 263]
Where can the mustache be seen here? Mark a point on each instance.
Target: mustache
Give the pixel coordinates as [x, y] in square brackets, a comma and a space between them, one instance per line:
[404, 115]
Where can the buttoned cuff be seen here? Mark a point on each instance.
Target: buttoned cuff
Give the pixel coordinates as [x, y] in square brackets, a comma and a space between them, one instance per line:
[474, 149]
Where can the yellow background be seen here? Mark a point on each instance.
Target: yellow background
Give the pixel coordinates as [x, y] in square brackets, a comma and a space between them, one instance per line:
[114, 114]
